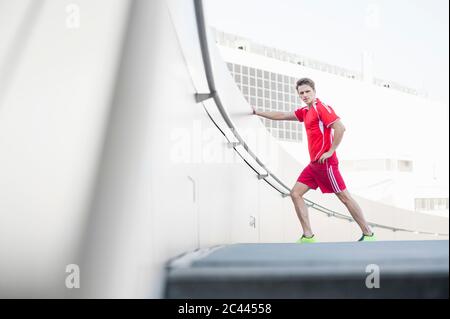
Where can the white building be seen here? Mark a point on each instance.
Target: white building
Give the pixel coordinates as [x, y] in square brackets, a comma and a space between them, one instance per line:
[382, 155]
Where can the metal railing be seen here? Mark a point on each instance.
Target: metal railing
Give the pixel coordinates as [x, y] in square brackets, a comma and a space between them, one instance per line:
[282, 188]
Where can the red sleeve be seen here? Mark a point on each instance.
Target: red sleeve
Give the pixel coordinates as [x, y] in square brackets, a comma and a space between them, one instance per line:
[299, 114]
[327, 114]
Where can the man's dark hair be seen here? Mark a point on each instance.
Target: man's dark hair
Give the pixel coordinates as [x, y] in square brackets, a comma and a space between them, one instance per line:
[305, 81]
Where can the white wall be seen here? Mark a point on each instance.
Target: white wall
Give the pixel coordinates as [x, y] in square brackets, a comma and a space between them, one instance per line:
[54, 99]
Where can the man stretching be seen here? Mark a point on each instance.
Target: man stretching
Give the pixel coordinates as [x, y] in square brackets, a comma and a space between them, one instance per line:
[323, 170]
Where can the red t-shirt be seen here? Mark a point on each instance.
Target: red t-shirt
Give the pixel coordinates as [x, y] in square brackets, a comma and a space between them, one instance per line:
[318, 120]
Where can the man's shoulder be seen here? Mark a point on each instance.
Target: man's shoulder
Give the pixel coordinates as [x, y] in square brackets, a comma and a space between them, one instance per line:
[300, 109]
[325, 106]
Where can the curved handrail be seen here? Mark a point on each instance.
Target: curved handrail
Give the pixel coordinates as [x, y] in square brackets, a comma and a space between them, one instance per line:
[201, 28]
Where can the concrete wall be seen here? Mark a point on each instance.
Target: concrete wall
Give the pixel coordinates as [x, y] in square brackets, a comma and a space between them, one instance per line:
[56, 83]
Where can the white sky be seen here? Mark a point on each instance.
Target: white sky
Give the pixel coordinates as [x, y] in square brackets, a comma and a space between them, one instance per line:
[408, 38]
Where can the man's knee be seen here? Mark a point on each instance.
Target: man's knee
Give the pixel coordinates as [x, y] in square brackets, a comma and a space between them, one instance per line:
[295, 194]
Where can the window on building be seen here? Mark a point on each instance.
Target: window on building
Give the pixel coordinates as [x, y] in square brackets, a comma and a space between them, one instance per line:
[269, 92]
[289, 125]
[273, 95]
[260, 103]
[274, 104]
[405, 166]
[430, 204]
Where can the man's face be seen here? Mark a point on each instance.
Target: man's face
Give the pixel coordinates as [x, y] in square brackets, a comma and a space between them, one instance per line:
[306, 93]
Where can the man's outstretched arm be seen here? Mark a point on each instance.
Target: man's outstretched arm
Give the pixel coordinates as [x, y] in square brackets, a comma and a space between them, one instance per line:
[277, 116]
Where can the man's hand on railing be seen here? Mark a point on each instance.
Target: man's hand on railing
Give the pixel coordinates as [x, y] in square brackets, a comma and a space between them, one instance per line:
[254, 110]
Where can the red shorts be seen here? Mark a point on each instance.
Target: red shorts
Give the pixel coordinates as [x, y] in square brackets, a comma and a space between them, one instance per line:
[326, 176]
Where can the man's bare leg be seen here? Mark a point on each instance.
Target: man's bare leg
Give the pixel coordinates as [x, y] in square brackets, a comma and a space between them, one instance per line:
[297, 193]
[355, 211]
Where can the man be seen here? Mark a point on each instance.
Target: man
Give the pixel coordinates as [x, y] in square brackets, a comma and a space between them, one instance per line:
[323, 171]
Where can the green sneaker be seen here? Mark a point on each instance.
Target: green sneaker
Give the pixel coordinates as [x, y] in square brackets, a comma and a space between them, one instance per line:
[368, 238]
[306, 240]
